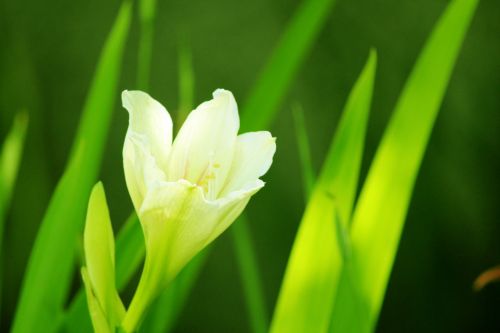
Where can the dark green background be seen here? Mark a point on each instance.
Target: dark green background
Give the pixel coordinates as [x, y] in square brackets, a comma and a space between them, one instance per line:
[47, 57]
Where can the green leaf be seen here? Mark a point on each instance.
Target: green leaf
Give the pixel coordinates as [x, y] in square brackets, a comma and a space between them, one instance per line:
[309, 286]
[99, 320]
[130, 252]
[250, 277]
[48, 275]
[308, 174]
[99, 246]
[278, 74]
[381, 210]
[10, 159]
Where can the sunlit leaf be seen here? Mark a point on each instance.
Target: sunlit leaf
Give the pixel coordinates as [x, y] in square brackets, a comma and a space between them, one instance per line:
[129, 256]
[309, 286]
[49, 272]
[382, 207]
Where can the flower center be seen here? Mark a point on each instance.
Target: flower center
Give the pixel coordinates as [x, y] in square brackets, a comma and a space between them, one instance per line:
[207, 180]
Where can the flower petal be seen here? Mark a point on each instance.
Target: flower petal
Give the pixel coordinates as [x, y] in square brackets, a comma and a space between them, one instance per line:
[140, 167]
[178, 221]
[150, 119]
[203, 150]
[253, 156]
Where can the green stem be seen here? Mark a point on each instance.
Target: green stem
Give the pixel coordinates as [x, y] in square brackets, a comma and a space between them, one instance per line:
[145, 294]
[249, 273]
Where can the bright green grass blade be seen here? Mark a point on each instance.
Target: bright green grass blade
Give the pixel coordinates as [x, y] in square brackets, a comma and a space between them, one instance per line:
[380, 213]
[10, 159]
[250, 277]
[129, 256]
[264, 100]
[147, 11]
[51, 264]
[308, 289]
[308, 175]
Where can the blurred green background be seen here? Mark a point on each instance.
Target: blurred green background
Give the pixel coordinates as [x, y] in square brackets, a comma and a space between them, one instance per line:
[48, 54]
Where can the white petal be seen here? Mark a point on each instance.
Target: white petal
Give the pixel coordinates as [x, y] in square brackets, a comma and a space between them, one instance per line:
[178, 221]
[140, 167]
[203, 150]
[253, 157]
[150, 119]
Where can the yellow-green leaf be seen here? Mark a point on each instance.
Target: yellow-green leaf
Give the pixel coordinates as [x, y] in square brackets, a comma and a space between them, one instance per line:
[99, 247]
[381, 210]
[309, 286]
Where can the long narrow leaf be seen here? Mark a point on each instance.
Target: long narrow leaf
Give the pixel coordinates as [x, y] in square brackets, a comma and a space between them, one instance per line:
[380, 213]
[129, 256]
[308, 176]
[250, 277]
[309, 286]
[10, 159]
[51, 264]
[263, 103]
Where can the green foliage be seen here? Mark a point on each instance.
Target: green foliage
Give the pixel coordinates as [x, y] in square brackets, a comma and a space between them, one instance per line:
[250, 277]
[383, 204]
[99, 271]
[129, 256]
[264, 100]
[308, 174]
[308, 288]
[48, 275]
[10, 159]
[307, 23]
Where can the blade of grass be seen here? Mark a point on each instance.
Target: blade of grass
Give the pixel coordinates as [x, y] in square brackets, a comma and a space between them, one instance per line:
[51, 264]
[308, 289]
[250, 277]
[10, 159]
[266, 96]
[308, 174]
[147, 13]
[380, 213]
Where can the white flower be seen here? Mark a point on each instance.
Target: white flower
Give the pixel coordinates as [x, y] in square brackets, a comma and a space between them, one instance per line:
[186, 193]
